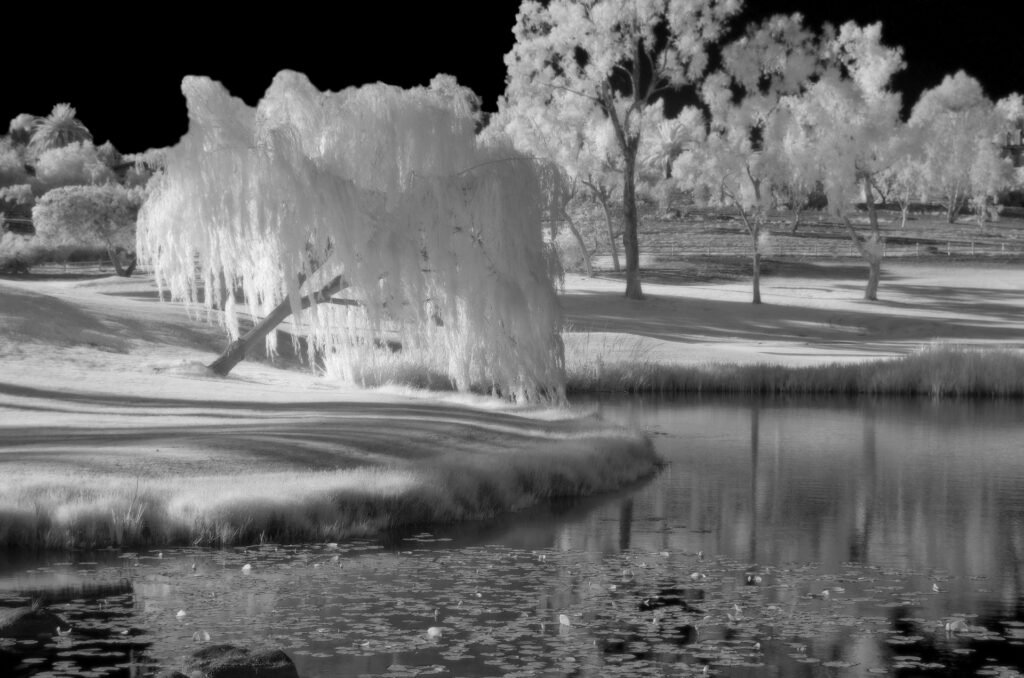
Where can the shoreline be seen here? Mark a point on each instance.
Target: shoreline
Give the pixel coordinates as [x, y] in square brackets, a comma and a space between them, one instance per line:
[113, 434]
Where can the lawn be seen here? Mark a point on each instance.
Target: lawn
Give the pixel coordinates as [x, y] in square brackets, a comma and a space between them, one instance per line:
[113, 433]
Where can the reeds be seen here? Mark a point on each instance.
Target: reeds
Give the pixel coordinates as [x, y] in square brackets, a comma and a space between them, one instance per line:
[942, 370]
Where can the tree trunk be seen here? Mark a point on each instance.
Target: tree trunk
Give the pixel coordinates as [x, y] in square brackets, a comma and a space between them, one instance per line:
[904, 208]
[756, 275]
[583, 246]
[630, 229]
[953, 210]
[754, 230]
[611, 230]
[236, 350]
[982, 215]
[874, 274]
[115, 259]
[796, 218]
[871, 257]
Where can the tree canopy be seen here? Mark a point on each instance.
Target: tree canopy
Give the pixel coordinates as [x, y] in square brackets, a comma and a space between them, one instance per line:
[437, 237]
[575, 61]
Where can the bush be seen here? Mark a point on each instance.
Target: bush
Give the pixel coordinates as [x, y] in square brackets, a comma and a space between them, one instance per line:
[18, 252]
[76, 164]
[88, 216]
[12, 167]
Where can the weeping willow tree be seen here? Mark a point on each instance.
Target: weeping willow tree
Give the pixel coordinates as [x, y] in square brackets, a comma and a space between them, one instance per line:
[379, 197]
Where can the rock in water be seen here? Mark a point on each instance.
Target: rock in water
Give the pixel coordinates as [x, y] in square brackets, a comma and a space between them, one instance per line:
[229, 661]
[28, 623]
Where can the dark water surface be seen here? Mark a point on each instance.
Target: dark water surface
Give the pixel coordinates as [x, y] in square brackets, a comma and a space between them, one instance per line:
[784, 538]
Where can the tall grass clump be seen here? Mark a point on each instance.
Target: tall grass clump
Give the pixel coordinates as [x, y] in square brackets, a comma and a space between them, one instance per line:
[941, 370]
[48, 509]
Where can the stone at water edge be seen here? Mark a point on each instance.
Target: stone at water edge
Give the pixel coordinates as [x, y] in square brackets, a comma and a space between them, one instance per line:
[26, 623]
[229, 661]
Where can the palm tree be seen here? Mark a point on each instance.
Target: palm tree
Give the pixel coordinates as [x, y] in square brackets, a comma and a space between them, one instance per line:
[58, 129]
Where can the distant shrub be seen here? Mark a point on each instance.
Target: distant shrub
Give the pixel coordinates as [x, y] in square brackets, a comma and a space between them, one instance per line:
[76, 164]
[570, 254]
[12, 167]
[144, 166]
[19, 252]
[89, 216]
[109, 155]
[16, 203]
[20, 128]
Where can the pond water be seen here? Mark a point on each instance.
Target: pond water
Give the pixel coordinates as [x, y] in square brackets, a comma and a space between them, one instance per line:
[784, 537]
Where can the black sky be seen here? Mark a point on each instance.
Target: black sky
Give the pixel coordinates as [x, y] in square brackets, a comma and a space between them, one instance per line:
[124, 78]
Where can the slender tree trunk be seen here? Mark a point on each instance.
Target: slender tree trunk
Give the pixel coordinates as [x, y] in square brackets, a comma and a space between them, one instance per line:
[236, 350]
[756, 261]
[874, 275]
[953, 211]
[583, 246]
[754, 230]
[115, 259]
[610, 223]
[797, 211]
[872, 254]
[630, 229]
[904, 208]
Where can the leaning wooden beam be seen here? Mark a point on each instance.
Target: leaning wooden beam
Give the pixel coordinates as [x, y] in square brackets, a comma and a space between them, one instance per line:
[236, 350]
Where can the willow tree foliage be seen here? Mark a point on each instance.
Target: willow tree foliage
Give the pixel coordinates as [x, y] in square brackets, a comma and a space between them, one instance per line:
[577, 59]
[562, 162]
[744, 156]
[850, 118]
[381, 192]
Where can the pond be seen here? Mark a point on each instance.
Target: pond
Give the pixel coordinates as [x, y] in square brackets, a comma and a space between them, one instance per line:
[784, 537]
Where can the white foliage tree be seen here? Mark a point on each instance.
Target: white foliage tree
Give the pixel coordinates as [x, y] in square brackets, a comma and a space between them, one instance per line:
[745, 154]
[850, 118]
[577, 59]
[562, 160]
[74, 164]
[381, 192]
[90, 216]
[904, 180]
[961, 130]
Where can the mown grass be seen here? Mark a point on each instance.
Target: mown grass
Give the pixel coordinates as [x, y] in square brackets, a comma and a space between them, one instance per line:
[936, 371]
[51, 509]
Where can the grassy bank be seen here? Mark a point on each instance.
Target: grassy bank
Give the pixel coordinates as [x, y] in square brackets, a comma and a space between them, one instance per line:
[55, 509]
[938, 371]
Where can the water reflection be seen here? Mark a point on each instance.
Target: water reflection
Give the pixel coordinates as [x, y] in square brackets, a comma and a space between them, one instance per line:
[930, 486]
[794, 537]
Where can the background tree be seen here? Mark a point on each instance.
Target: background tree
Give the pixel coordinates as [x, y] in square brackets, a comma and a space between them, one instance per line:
[959, 127]
[576, 59]
[743, 157]
[20, 129]
[90, 216]
[903, 181]
[561, 158]
[75, 164]
[850, 118]
[58, 129]
[12, 167]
